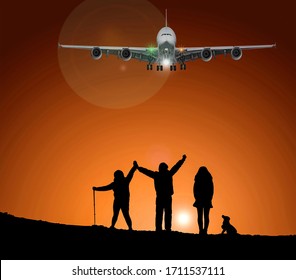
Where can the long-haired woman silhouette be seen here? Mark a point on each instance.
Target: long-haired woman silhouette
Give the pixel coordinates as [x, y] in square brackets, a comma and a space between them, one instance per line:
[203, 191]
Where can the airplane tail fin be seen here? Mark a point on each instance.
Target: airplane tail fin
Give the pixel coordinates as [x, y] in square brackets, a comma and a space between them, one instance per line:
[166, 18]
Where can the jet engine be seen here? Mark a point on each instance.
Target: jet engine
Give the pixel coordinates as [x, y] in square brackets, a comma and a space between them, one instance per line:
[206, 55]
[126, 54]
[96, 53]
[236, 53]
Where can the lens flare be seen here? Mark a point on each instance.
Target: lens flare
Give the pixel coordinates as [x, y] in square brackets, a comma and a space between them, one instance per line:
[166, 62]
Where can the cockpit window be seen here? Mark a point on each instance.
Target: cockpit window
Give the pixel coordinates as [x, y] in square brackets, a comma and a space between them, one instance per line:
[168, 34]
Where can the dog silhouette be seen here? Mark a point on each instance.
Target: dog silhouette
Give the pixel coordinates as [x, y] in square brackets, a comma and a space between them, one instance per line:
[227, 227]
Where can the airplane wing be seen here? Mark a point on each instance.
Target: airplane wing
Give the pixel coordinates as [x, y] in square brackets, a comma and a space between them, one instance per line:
[207, 53]
[148, 55]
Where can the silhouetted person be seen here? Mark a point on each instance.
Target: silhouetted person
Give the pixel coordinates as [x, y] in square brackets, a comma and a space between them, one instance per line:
[120, 187]
[163, 183]
[203, 191]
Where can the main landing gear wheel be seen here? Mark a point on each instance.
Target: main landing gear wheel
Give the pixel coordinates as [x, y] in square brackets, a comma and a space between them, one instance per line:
[183, 66]
[149, 66]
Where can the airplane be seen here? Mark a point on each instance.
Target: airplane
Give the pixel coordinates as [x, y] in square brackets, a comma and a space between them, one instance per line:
[166, 53]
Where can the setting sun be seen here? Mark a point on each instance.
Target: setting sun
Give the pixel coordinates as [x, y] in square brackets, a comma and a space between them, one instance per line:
[184, 219]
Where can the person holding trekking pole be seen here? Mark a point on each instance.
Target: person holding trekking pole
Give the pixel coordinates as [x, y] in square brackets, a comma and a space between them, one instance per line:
[120, 187]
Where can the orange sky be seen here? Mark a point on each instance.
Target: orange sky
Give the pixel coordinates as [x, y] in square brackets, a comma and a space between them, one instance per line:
[66, 126]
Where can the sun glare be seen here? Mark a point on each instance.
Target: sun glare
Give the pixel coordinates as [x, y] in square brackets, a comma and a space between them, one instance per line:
[183, 218]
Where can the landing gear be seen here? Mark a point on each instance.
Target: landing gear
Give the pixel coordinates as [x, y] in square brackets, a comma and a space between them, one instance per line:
[173, 68]
[149, 66]
[159, 68]
[183, 66]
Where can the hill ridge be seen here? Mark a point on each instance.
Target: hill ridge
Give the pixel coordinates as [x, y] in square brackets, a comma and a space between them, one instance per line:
[24, 238]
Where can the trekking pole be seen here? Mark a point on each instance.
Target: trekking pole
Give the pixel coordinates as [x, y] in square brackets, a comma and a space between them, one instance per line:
[94, 199]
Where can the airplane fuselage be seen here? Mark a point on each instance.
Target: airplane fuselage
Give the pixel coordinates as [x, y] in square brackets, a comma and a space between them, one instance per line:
[166, 43]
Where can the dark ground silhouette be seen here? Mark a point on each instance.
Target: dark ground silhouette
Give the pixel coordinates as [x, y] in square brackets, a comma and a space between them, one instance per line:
[31, 239]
